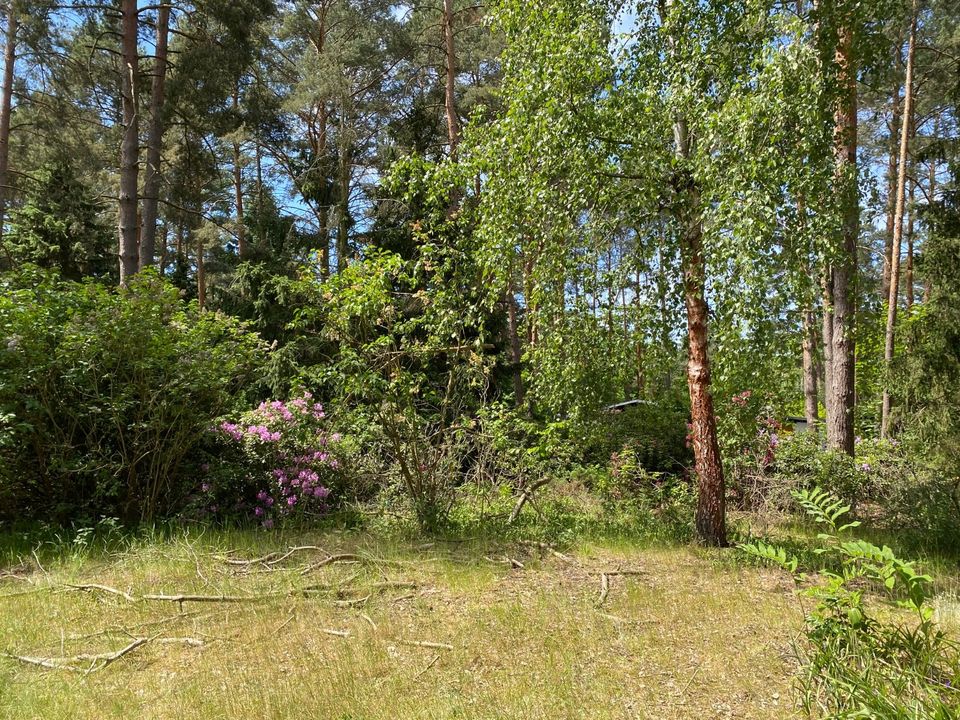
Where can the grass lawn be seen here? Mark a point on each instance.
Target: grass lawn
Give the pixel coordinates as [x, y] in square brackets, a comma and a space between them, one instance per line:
[402, 630]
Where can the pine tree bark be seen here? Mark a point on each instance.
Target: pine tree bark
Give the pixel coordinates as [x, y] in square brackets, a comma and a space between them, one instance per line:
[201, 274]
[891, 184]
[811, 401]
[908, 278]
[129, 147]
[893, 296]
[843, 271]
[242, 249]
[6, 108]
[152, 175]
[827, 340]
[343, 213]
[450, 103]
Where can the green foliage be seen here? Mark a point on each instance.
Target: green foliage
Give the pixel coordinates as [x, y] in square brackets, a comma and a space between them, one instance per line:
[107, 393]
[854, 664]
[60, 226]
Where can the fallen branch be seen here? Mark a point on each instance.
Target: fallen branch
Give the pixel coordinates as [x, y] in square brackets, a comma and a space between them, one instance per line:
[42, 662]
[337, 633]
[604, 588]
[426, 644]
[102, 588]
[104, 659]
[351, 603]
[524, 498]
[330, 560]
[191, 641]
[547, 548]
[615, 573]
[429, 665]
[273, 558]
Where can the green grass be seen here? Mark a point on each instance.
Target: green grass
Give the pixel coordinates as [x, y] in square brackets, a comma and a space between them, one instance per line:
[688, 637]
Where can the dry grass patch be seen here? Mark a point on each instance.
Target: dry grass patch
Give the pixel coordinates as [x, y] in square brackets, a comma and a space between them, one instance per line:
[397, 630]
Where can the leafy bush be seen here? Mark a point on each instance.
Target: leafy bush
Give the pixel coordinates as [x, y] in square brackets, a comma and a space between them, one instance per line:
[853, 664]
[105, 393]
[654, 433]
[279, 461]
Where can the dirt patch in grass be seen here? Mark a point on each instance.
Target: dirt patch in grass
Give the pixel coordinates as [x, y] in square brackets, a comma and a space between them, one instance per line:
[463, 630]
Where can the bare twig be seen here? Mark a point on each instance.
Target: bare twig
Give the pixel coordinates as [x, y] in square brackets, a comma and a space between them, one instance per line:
[352, 603]
[547, 548]
[102, 588]
[524, 498]
[337, 633]
[604, 588]
[428, 666]
[426, 644]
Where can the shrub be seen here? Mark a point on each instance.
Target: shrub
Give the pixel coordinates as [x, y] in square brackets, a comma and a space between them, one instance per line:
[104, 393]
[853, 664]
[281, 461]
[654, 433]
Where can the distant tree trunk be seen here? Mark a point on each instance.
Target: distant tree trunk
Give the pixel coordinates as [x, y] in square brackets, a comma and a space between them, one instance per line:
[711, 492]
[201, 274]
[343, 247]
[908, 277]
[6, 109]
[242, 250]
[516, 354]
[892, 298]
[843, 271]
[891, 185]
[811, 401]
[129, 146]
[450, 103]
[151, 182]
[827, 340]
[324, 218]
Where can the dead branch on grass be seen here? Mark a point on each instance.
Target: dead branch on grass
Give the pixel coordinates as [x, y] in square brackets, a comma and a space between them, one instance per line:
[525, 498]
[425, 644]
[604, 588]
[102, 588]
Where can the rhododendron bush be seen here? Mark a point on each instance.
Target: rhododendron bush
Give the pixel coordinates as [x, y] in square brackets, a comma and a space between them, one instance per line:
[278, 460]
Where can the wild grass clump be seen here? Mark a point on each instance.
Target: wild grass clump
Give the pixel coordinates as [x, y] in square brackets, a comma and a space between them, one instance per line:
[860, 657]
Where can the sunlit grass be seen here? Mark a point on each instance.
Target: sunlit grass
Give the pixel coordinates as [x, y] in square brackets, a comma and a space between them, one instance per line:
[689, 637]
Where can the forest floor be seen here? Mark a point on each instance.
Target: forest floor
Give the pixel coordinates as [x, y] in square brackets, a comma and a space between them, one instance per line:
[393, 629]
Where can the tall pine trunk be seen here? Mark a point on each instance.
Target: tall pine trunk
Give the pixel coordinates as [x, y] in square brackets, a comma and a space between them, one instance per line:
[893, 296]
[129, 147]
[6, 109]
[343, 212]
[892, 174]
[453, 122]
[843, 270]
[811, 401]
[242, 250]
[151, 182]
